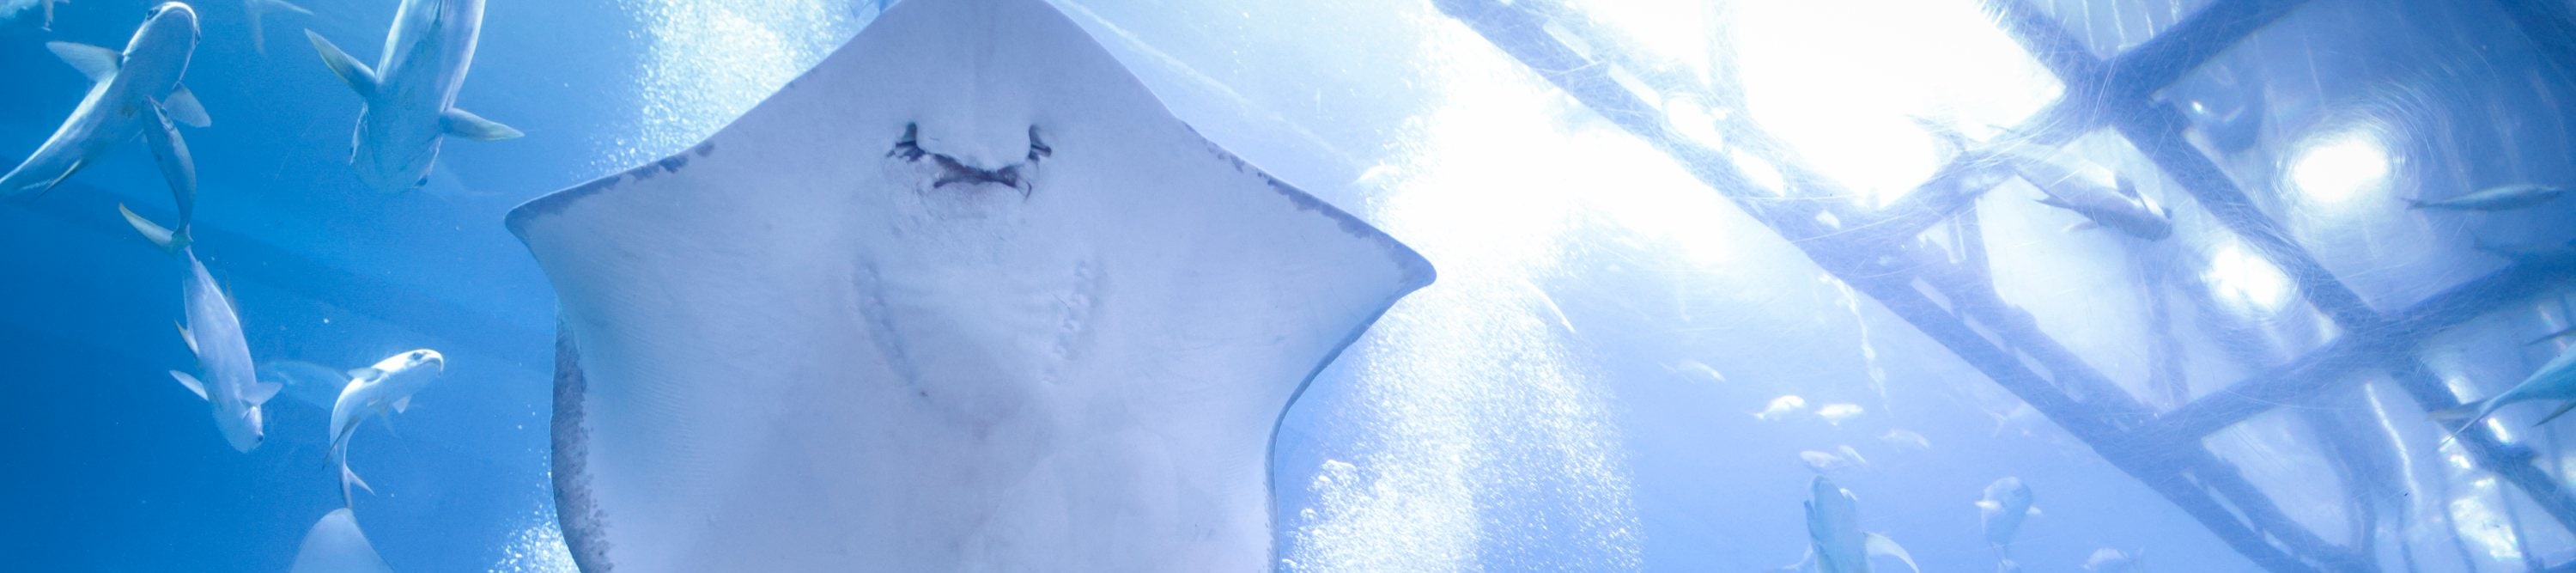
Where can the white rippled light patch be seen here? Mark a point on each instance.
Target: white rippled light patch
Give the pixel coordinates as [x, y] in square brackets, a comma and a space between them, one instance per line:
[1846, 83]
[1483, 444]
[537, 547]
[711, 60]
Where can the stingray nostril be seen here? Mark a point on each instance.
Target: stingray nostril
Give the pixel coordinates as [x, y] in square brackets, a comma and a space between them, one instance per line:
[1038, 149]
[909, 148]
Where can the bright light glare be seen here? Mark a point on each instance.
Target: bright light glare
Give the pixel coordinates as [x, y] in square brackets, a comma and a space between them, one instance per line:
[2339, 166]
[2247, 282]
[1675, 31]
[711, 61]
[1843, 82]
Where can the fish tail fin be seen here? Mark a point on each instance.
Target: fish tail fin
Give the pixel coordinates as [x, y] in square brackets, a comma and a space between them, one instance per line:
[348, 496]
[168, 240]
[256, 10]
[1880, 545]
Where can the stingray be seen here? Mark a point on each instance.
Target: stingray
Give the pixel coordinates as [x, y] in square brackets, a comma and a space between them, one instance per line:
[335, 545]
[964, 296]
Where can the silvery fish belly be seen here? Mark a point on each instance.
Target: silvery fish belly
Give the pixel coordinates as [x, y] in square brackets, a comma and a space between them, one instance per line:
[965, 296]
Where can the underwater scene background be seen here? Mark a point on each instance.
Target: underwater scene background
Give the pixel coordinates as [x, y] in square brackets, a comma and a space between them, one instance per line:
[1665, 232]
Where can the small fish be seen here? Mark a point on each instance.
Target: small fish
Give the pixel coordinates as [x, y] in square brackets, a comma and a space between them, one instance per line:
[2023, 421]
[2006, 504]
[1901, 438]
[2118, 207]
[1842, 458]
[1836, 542]
[2497, 198]
[312, 384]
[1781, 407]
[335, 545]
[1697, 370]
[134, 92]
[1836, 413]
[411, 107]
[12, 12]
[2553, 381]
[227, 384]
[2108, 560]
[372, 390]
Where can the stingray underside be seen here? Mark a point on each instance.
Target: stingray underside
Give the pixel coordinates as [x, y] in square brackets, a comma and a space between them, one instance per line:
[965, 296]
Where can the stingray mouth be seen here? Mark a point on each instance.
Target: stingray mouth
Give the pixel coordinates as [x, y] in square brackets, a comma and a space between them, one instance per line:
[946, 170]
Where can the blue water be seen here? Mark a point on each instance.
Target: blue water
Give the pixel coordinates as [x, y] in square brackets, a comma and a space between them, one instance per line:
[1575, 394]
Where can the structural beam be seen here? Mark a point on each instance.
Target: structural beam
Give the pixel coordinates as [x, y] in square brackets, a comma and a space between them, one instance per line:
[2184, 473]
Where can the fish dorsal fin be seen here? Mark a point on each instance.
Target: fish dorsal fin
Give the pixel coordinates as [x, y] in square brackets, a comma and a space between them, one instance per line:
[359, 77]
[184, 335]
[192, 384]
[368, 373]
[465, 124]
[183, 107]
[260, 392]
[403, 404]
[100, 64]
[1880, 545]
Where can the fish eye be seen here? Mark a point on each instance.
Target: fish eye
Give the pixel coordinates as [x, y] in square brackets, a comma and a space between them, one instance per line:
[1038, 149]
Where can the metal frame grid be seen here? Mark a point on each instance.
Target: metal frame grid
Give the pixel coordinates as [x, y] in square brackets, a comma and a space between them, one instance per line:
[1952, 299]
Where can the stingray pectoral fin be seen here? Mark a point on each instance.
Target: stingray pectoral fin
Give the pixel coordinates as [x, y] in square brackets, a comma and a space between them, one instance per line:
[97, 63]
[1880, 545]
[465, 124]
[336, 545]
[351, 71]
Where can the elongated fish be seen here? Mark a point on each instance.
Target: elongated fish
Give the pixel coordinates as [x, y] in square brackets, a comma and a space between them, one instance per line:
[372, 390]
[133, 92]
[410, 94]
[2497, 198]
[225, 377]
[2118, 207]
[1836, 542]
[2553, 381]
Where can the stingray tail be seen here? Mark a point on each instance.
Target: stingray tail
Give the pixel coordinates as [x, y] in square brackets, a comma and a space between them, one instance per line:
[2553, 335]
[2471, 412]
